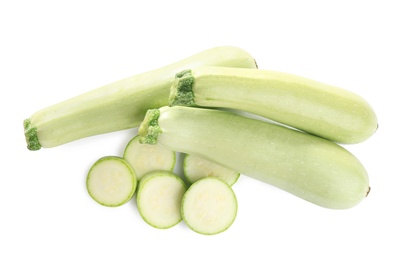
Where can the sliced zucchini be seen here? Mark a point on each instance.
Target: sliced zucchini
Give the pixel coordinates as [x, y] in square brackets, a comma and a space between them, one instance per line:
[196, 168]
[159, 199]
[146, 158]
[209, 206]
[111, 181]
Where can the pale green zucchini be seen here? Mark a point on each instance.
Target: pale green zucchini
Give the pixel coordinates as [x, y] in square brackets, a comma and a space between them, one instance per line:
[159, 199]
[209, 206]
[196, 168]
[310, 167]
[120, 105]
[314, 107]
[111, 181]
[145, 158]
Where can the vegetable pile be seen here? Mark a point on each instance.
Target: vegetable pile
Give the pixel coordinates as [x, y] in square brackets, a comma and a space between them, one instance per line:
[201, 107]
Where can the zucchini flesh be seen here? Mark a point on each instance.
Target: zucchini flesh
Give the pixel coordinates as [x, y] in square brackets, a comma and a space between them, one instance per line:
[209, 206]
[159, 199]
[119, 105]
[310, 167]
[314, 107]
[196, 168]
[145, 158]
[111, 181]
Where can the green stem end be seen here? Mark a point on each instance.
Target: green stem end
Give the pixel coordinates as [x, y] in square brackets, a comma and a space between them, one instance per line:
[149, 128]
[181, 91]
[30, 132]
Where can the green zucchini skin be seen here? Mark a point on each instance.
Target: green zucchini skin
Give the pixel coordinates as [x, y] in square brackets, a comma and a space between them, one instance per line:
[311, 106]
[310, 167]
[119, 105]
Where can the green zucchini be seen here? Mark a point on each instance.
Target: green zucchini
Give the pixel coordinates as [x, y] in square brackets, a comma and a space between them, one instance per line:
[310, 167]
[120, 105]
[145, 158]
[196, 168]
[111, 181]
[209, 206]
[159, 199]
[314, 107]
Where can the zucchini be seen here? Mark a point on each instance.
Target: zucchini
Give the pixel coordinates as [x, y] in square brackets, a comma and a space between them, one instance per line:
[145, 158]
[310, 167]
[120, 105]
[314, 107]
[159, 199]
[209, 206]
[111, 181]
[196, 168]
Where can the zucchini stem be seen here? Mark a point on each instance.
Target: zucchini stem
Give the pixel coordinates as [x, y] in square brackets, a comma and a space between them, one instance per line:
[149, 129]
[31, 136]
[181, 91]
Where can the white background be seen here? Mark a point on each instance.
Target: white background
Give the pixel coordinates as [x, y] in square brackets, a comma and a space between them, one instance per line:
[53, 50]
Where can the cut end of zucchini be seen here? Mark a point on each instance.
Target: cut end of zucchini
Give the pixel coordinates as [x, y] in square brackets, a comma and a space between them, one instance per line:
[30, 132]
[149, 128]
[111, 181]
[181, 91]
[209, 206]
[159, 199]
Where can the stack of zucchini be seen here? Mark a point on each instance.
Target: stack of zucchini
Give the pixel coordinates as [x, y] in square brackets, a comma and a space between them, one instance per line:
[229, 117]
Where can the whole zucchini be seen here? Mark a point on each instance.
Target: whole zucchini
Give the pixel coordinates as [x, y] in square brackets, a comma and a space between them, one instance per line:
[311, 106]
[310, 167]
[120, 105]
